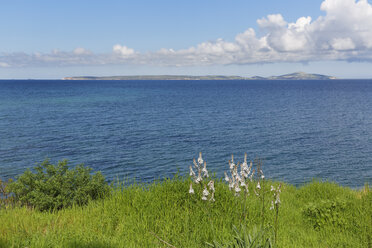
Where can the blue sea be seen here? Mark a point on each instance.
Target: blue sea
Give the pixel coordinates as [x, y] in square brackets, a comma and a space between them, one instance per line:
[147, 130]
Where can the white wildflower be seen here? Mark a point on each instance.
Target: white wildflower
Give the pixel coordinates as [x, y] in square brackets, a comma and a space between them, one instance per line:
[211, 186]
[205, 171]
[227, 179]
[258, 185]
[251, 177]
[212, 198]
[244, 166]
[272, 188]
[233, 173]
[232, 165]
[200, 159]
[277, 201]
[262, 176]
[242, 174]
[198, 179]
[195, 164]
[242, 183]
[272, 205]
[205, 191]
[231, 185]
[191, 190]
[237, 189]
[192, 173]
[204, 198]
[238, 178]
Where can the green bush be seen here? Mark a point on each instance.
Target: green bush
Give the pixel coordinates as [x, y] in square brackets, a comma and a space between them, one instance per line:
[325, 212]
[58, 186]
[5, 195]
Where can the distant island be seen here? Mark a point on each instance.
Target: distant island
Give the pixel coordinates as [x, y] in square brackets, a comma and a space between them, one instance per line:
[292, 76]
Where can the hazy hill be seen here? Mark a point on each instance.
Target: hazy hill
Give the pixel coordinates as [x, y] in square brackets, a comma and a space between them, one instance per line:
[292, 76]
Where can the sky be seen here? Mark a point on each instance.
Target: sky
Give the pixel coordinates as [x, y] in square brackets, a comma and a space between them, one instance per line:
[50, 39]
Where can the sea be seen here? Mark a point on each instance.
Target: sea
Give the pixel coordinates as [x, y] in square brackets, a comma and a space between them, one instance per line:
[150, 130]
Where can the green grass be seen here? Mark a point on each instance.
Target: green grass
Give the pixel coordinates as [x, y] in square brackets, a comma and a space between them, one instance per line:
[163, 214]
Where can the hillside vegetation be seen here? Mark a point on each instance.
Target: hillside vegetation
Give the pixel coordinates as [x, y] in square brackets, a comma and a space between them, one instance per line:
[164, 214]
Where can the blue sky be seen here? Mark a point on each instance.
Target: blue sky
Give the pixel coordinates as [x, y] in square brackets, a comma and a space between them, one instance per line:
[53, 39]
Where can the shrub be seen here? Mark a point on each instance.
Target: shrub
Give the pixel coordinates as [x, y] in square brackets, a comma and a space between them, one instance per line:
[5, 196]
[58, 186]
[326, 212]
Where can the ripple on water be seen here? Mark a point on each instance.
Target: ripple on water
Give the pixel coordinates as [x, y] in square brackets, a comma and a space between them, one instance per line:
[150, 129]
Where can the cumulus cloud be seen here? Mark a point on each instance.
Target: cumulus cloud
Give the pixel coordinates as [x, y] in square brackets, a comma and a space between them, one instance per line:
[344, 32]
[123, 50]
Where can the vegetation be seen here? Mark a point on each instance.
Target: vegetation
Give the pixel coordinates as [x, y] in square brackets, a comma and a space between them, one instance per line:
[197, 211]
[58, 186]
[164, 214]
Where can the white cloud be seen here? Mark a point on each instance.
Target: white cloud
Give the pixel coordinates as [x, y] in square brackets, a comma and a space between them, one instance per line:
[81, 51]
[272, 22]
[123, 50]
[3, 64]
[343, 33]
[342, 44]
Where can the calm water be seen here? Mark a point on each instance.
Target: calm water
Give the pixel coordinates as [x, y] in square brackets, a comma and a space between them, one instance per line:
[151, 129]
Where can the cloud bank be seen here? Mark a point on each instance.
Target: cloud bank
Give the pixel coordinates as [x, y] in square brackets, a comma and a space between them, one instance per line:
[344, 33]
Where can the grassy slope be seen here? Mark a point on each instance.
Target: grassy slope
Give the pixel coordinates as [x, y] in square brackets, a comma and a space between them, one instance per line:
[139, 216]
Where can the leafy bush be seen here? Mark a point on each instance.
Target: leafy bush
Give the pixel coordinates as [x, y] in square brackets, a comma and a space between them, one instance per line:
[326, 212]
[58, 186]
[5, 196]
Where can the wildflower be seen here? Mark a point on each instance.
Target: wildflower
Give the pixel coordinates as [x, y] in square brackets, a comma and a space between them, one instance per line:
[211, 186]
[237, 189]
[231, 185]
[231, 163]
[195, 164]
[191, 190]
[272, 205]
[242, 183]
[212, 198]
[246, 189]
[258, 185]
[192, 173]
[272, 188]
[251, 177]
[200, 159]
[245, 158]
[238, 178]
[227, 179]
[250, 167]
[277, 201]
[205, 171]
[244, 164]
[205, 191]
[243, 174]
[260, 172]
[199, 178]
[233, 173]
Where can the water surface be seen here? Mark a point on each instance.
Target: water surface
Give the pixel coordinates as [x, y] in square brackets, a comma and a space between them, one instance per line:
[151, 129]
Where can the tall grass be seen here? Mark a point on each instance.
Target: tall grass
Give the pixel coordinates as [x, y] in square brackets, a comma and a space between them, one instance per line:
[164, 214]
